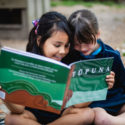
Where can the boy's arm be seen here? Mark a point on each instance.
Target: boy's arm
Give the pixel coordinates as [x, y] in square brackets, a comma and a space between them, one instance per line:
[110, 79]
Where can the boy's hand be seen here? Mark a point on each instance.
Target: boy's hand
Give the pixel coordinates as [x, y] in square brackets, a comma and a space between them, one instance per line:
[110, 79]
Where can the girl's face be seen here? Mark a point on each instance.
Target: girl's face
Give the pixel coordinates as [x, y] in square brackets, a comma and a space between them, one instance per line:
[86, 49]
[57, 46]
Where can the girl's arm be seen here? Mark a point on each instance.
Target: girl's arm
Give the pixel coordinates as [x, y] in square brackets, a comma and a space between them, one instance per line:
[82, 105]
[15, 108]
[110, 79]
[75, 108]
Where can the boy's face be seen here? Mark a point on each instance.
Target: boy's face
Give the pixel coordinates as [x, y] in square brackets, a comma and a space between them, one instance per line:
[57, 46]
[84, 48]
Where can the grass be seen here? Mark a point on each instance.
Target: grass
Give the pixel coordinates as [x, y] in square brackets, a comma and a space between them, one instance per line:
[87, 4]
[123, 51]
[70, 3]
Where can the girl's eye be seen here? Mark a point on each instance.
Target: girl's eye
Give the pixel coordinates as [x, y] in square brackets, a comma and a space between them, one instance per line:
[57, 45]
[67, 45]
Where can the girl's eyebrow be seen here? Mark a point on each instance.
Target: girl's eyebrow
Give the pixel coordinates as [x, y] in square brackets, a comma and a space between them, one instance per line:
[59, 41]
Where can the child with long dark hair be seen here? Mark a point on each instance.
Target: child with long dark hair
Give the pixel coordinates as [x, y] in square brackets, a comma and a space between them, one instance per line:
[49, 37]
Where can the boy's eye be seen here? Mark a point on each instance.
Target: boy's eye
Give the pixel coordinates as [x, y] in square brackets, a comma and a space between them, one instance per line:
[76, 44]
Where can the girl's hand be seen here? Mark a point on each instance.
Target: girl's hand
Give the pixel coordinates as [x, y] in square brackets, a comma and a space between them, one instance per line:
[82, 105]
[76, 108]
[71, 110]
[110, 79]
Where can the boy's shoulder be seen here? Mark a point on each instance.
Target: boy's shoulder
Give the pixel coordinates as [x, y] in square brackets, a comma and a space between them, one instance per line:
[108, 49]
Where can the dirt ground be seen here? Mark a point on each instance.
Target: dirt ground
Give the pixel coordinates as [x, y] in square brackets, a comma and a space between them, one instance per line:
[111, 22]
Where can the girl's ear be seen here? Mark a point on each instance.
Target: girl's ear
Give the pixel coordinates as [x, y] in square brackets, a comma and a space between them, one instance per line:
[38, 40]
[98, 35]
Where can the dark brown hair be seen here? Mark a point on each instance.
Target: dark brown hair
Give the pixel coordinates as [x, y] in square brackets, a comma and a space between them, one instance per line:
[84, 26]
[47, 24]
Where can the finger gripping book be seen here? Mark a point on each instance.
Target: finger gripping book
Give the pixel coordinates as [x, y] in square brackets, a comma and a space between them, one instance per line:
[43, 83]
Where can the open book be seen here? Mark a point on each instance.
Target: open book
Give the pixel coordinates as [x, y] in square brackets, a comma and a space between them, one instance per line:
[43, 83]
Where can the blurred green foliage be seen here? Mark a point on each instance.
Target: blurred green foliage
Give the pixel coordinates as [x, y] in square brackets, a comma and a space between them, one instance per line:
[87, 3]
[123, 54]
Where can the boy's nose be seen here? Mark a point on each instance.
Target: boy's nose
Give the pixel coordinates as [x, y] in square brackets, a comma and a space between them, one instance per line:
[83, 48]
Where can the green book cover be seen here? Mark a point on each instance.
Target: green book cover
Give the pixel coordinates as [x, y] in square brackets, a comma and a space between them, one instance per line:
[88, 81]
[39, 82]
[32, 80]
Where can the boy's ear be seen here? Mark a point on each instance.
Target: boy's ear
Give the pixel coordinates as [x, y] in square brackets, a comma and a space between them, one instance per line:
[98, 35]
[38, 40]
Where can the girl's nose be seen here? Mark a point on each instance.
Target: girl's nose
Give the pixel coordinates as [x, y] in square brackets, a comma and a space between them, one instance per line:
[62, 50]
